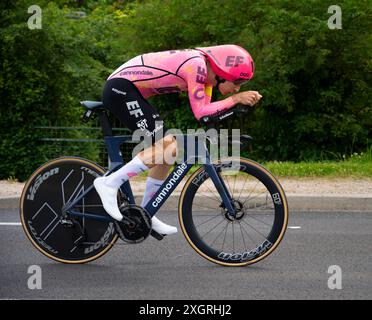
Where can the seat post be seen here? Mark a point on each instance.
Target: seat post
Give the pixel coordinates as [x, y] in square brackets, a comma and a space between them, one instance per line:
[105, 123]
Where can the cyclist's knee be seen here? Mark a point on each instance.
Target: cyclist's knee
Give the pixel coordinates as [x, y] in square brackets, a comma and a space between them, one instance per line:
[170, 149]
[169, 144]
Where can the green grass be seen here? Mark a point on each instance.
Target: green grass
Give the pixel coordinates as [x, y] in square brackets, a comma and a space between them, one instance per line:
[356, 166]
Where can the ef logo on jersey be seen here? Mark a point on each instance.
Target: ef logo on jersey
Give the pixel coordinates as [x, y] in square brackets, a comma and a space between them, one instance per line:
[234, 61]
[134, 108]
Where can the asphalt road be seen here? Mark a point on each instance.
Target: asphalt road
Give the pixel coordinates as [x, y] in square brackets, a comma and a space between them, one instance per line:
[170, 269]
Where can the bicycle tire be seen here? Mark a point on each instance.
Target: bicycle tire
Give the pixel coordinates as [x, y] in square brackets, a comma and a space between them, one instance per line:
[191, 215]
[50, 187]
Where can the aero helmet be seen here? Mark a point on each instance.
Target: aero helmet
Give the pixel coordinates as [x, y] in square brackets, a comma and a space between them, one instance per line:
[230, 62]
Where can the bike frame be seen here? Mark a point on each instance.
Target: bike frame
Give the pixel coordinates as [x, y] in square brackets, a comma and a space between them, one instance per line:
[113, 144]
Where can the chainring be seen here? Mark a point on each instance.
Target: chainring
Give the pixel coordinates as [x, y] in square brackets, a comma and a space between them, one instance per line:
[136, 224]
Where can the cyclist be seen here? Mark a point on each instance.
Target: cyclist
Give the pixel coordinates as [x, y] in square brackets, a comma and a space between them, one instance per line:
[196, 71]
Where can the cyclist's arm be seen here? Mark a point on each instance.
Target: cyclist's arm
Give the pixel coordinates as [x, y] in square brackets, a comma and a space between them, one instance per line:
[195, 74]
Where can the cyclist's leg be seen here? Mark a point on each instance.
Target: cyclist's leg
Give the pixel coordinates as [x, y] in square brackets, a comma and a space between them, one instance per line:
[155, 179]
[160, 156]
[124, 100]
[159, 172]
[154, 158]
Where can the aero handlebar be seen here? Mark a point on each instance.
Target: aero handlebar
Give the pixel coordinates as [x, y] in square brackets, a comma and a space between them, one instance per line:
[239, 108]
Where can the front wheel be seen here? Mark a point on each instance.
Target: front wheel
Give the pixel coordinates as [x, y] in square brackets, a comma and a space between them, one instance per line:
[261, 213]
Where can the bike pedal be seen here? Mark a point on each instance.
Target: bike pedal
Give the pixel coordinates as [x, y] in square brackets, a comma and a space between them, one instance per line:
[66, 223]
[156, 235]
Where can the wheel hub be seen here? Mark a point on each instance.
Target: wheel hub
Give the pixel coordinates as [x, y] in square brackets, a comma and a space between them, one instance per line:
[238, 208]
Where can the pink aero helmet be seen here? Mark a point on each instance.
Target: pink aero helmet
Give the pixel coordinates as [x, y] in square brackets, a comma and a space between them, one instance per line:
[230, 62]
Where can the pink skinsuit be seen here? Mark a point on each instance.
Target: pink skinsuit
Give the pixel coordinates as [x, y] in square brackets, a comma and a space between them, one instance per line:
[174, 71]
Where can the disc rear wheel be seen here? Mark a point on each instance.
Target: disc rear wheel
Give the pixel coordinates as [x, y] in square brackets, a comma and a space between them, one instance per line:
[63, 238]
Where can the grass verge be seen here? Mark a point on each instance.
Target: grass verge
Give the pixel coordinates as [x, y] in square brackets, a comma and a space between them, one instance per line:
[356, 166]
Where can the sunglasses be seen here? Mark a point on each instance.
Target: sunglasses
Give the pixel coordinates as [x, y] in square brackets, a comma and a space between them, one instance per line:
[240, 81]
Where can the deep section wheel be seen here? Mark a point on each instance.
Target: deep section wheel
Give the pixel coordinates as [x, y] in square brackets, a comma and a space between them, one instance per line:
[252, 232]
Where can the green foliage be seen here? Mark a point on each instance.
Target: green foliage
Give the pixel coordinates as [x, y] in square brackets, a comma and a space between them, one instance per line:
[321, 100]
[315, 81]
[44, 73]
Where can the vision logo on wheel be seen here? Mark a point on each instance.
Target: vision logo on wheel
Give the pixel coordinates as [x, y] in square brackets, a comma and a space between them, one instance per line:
[103, 241]
[38, 182]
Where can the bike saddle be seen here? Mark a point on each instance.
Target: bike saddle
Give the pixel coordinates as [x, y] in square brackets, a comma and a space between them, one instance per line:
[91, 104]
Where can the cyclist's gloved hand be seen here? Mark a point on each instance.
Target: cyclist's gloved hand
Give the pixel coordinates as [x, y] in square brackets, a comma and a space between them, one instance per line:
[247, 97]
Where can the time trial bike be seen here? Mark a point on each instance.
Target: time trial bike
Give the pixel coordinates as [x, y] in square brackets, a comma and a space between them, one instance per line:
[233, 211]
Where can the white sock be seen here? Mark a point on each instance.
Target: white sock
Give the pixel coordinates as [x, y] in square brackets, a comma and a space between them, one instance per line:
[131, 169]
[152, 185]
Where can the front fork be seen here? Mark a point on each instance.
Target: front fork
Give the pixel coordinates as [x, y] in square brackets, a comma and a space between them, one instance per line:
[219, 183]
[221, 188]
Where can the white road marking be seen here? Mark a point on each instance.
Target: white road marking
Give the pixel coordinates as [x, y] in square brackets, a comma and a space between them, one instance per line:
[10, 224]
[19, 224]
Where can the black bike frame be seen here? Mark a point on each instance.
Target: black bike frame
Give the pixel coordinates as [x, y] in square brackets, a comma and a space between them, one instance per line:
[113, 144]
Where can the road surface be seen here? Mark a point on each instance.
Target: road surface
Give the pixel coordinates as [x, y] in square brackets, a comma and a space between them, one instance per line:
[300, 268]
